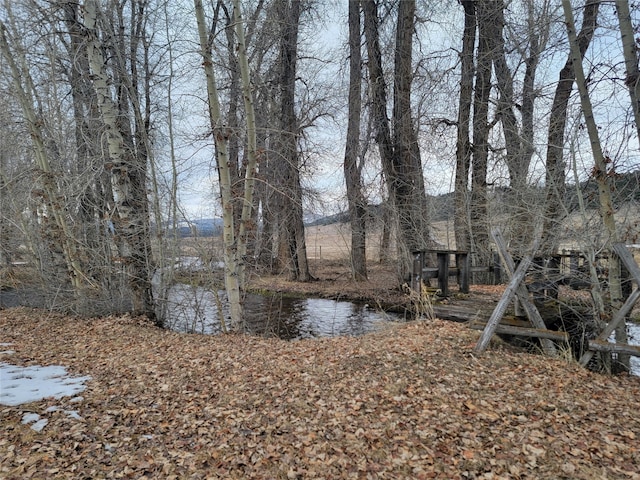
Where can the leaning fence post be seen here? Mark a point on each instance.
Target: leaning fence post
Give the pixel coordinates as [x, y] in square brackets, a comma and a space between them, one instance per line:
[501, 308]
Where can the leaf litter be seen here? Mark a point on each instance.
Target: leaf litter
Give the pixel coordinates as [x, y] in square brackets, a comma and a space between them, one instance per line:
[411, 401]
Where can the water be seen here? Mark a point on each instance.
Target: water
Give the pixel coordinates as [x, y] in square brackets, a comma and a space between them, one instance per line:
[633, 331]
[195, 310]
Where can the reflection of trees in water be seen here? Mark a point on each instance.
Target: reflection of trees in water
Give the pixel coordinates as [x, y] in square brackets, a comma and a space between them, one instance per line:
[193, 309]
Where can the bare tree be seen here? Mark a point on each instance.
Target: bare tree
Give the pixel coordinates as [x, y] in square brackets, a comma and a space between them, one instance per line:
[480, 154]
[128, 164]
[463, 142]
[555, 175]
[353, 161]
[59, 237]
[292, 251]
[602, 176]
[234, 243]
[398, 147]
[630, 52]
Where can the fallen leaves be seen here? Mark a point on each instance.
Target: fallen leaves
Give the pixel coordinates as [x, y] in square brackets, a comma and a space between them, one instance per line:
[408, 402]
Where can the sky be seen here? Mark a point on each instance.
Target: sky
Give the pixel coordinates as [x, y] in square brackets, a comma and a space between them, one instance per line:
[437, 50]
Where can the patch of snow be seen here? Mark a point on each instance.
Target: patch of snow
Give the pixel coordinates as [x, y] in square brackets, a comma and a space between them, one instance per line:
[30, 418]
[73, 414]
[5, 344]
[38, 423]
[8, 352]
[20, 385]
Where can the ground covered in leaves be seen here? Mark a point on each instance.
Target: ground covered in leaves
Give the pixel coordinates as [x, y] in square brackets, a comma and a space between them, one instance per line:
[407, 402]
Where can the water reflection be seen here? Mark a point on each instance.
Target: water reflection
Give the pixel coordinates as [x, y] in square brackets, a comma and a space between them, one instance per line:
[195, 310]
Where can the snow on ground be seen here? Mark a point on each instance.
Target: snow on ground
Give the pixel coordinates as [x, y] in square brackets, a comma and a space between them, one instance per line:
[19, 385]
[30, 384]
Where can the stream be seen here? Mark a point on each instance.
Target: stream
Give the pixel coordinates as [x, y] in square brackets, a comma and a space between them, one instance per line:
[195, 310]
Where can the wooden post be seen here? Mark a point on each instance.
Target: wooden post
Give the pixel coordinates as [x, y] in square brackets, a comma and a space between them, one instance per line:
[462, 263]
[501, 308]
[443, 273]
[520, 290]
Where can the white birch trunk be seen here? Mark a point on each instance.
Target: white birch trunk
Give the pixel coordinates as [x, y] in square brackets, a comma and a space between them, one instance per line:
[220, 136]
[250, 173]
[127, 221]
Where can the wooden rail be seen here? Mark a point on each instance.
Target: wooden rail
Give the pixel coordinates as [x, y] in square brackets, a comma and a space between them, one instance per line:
[525, 331]
[604, 346]
[423, 269]
[443, 269]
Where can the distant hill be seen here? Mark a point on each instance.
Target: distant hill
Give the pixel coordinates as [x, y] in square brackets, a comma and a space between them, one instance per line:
[204, 227]
[441, 209]
[626, 187]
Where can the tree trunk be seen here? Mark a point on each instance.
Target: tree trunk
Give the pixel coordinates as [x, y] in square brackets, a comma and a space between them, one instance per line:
[379, 119]
[555, 165]
[220, 137]
[518, 140]
[292, 250]
[245, 229]
[58, 236]
[408, 178]
[463, 143]
[479, 200]
[399, 153]
[352, 167]
[234, 245]
[129, 189]
[602, 177]
[629, 48]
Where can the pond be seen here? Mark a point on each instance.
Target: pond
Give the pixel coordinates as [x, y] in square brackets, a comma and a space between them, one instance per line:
[195, 310]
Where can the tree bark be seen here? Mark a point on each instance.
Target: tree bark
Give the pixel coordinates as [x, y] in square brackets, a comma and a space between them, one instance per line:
[352, 166]
[379, 119]
[463, 143]
[292, 251]
[479, 200]
[408, 178]
[129, 189]
[220, 137]
[555, 165]
[399, 152]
